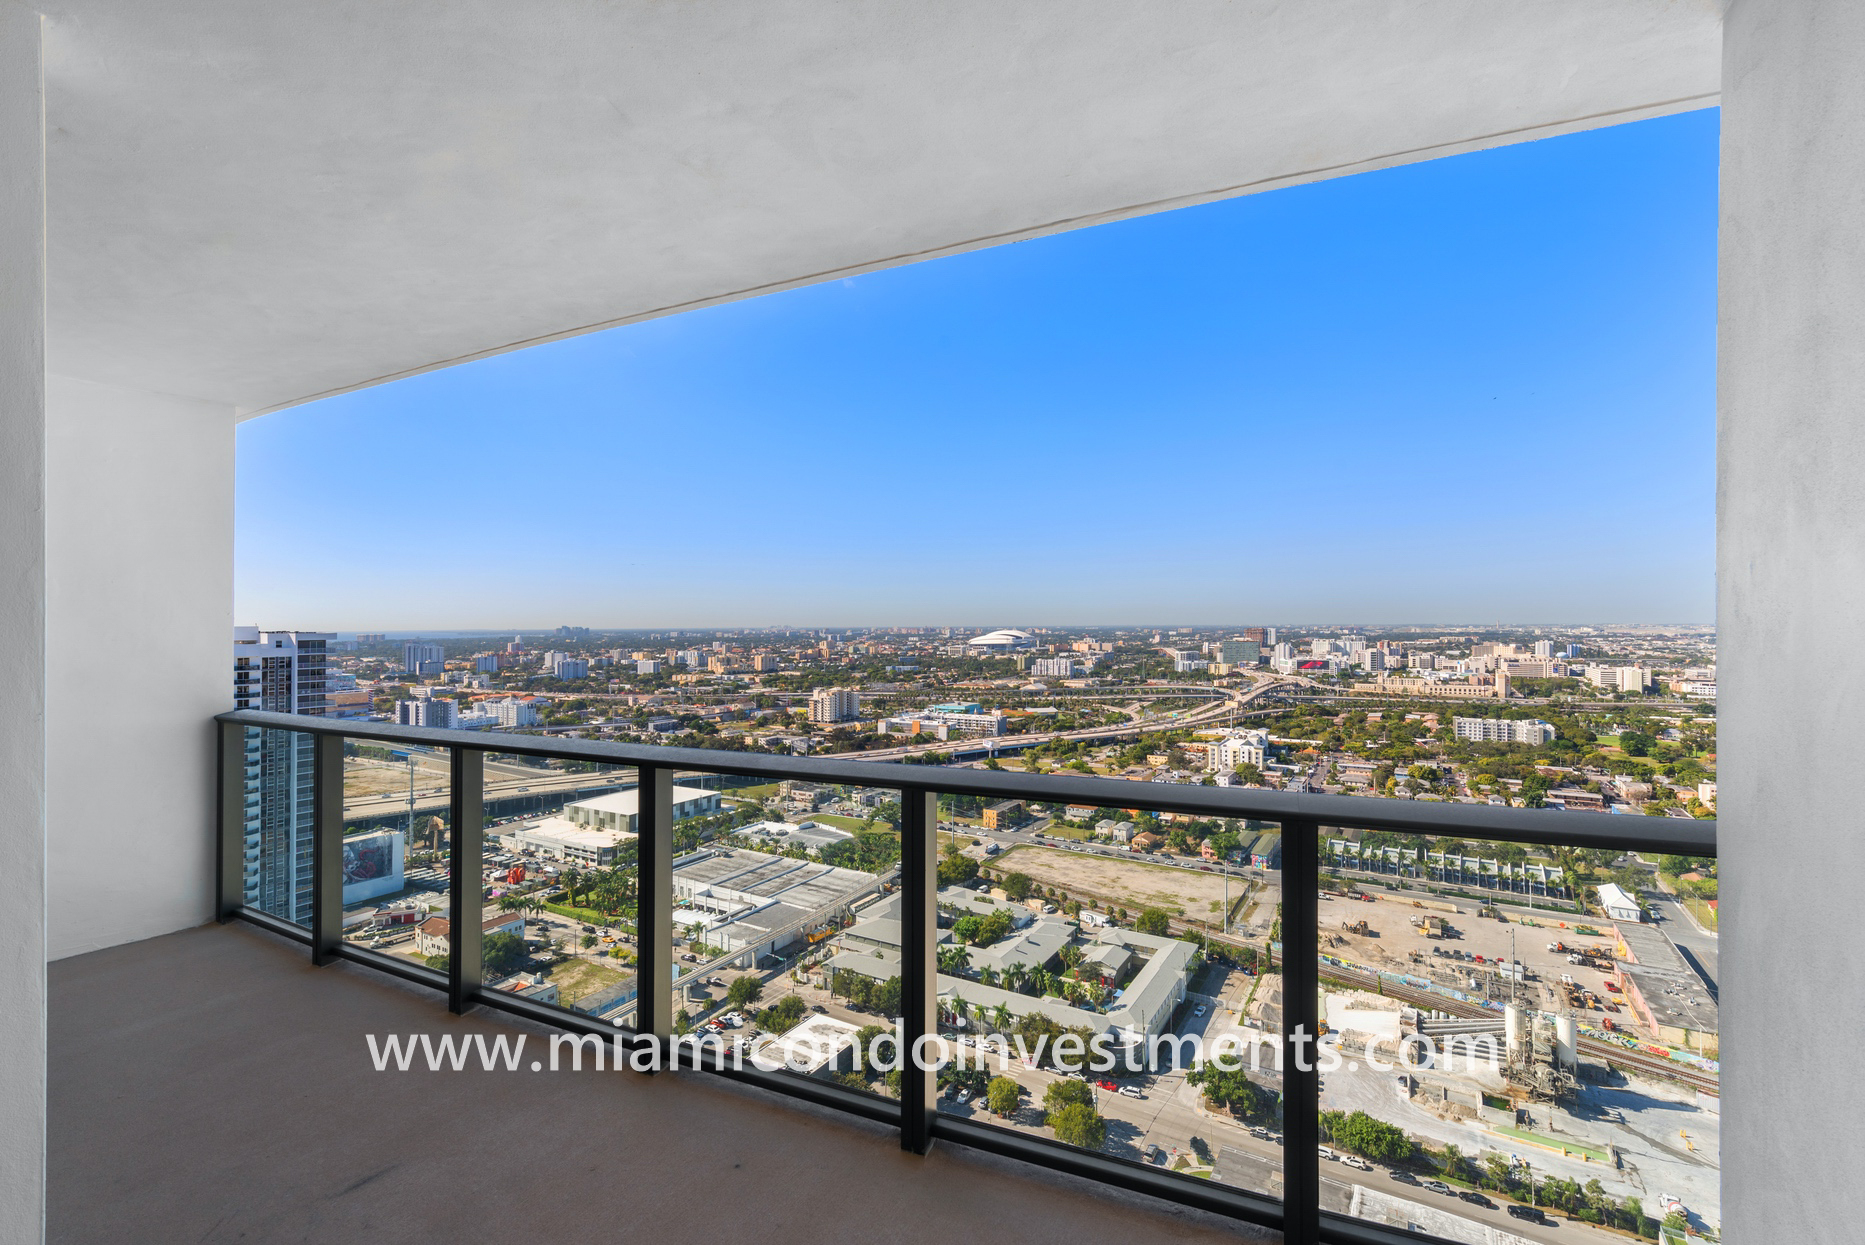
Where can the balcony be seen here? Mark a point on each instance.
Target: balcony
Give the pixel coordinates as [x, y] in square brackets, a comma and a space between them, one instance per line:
[283, 1023]
[215, 211]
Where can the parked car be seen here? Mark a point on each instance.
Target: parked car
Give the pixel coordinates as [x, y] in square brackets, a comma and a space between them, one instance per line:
[964, 1093]
[1436, 1186]
[1198, 1011]
[1109, 1086]
[1531, 1214]
[1328, 1154]
[1404, 1177]
[1477, 1199]
[1356, 1162]
[1127, 1091]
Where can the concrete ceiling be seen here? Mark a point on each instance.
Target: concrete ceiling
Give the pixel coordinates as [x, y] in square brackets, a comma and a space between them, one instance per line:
[258, 204]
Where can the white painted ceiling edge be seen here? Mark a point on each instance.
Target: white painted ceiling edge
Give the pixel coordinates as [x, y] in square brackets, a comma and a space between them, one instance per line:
[259, 205]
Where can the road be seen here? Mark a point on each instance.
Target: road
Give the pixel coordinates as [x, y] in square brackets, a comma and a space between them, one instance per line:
[1697, 945]
[1229, 700]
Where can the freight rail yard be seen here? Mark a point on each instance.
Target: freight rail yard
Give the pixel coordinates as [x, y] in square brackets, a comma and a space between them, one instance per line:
[1593, 1042]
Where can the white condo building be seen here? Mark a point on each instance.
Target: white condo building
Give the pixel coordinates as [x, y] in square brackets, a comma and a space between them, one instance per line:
[1531, 731]
[434, 711]
[1236, 749]
[418, 658]
[834, 704]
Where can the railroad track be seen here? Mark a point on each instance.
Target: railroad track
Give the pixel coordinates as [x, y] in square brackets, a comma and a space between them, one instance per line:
[1608, 1053]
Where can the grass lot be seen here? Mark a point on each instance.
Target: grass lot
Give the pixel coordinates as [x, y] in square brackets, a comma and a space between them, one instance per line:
[851, 824]
[576, 978]
[1068, 832]
[589, 916]
[1129, 884]
[763, 791]
[1700, 909]
[1522, 1134]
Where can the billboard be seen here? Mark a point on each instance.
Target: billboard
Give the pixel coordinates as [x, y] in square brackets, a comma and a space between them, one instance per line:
[372, 865]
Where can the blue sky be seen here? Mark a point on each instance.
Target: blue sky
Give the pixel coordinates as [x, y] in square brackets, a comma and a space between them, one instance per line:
[1473, 389]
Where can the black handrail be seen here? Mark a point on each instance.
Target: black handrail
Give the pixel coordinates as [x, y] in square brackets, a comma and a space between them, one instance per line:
[1554, 827]
[1304, 819]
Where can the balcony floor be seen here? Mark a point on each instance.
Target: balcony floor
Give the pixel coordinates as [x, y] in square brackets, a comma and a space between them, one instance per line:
[212, 1086]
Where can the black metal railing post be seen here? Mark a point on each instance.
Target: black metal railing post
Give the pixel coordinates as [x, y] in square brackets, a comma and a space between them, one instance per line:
[919, 981]
[230, 821]
[1301, 1078]
[466, 850]
[654, 961]
[326, 848]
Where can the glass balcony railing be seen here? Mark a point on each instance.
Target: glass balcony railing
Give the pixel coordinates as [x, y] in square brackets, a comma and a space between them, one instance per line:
[1350, 1019]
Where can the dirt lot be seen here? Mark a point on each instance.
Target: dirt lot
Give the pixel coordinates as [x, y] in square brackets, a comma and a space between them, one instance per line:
[1126, 884]
[370, 777]
[1391, 917]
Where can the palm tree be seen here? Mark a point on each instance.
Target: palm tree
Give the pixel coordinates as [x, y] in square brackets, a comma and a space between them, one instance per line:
[988, 975]
[1000, 1017]
[571, 879]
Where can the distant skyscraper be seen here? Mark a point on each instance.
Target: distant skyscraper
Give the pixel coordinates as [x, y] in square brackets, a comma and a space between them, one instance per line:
[280, 672]
[516, 646]
[418, 658]
[1544, 650]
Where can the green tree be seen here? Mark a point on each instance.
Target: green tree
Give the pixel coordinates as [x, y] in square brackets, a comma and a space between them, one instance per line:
[503, 954]
[1018, 885]
[1003, 1095]
[784, 1014]
[1079, 1125]
[1235, 1091]
[1062, 1093]
[955, 867]
[1153, 921]
[744, 991]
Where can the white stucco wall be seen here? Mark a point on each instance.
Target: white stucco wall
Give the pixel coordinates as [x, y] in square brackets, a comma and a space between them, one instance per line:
[22, 629]
[1791, 592]
[139, 539]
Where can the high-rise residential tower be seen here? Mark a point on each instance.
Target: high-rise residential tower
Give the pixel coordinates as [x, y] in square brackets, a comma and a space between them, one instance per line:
[280, 672]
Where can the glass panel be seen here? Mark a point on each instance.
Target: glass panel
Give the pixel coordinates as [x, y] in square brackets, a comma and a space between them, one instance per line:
[1515, 1042]
[396, 802]
[1145, 937]
[560, 883]
[279, 822]
[786, 924]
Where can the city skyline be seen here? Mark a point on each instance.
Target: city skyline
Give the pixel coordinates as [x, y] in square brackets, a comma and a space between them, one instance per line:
[1477, 386]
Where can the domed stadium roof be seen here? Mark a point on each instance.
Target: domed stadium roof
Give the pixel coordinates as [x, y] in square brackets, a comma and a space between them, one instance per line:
[1003, 639]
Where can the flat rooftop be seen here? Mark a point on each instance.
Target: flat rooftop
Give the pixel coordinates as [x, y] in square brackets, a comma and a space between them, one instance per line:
[1672, 989]
[803, 883]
